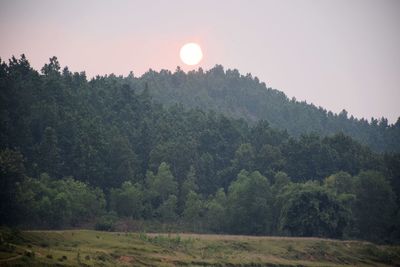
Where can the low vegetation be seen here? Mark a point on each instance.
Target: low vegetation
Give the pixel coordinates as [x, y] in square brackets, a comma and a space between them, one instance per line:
[94, 248]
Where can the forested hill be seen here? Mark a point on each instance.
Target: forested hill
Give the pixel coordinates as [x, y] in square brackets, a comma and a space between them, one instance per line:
[74, 151]
[240, 96]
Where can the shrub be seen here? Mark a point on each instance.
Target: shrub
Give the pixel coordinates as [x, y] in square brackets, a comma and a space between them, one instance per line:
[106, 223]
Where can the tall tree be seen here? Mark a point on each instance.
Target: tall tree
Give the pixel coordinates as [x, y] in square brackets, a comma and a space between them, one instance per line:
[375, 207]
[249, 204]
[310, 210]
[12, 173]
[49, 152]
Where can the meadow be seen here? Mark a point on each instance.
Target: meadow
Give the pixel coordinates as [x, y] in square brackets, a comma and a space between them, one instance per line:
[96, 248]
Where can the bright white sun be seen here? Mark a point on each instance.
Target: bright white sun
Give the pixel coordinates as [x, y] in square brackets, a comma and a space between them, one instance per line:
[191, 54]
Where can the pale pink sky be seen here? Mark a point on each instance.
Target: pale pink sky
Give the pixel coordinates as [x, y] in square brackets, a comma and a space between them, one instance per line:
[339, 54]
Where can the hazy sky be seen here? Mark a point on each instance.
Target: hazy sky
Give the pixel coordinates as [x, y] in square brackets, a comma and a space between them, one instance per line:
[339, 54]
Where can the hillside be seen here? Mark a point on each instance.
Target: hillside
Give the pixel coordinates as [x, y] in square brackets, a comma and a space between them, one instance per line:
[74, 151]
[91, 248]
[246, 97]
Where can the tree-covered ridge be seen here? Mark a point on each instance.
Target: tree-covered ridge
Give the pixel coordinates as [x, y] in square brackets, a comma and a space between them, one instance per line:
[74, 150]
[243, 96]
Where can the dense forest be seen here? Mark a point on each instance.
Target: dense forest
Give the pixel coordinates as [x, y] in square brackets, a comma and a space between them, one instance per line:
[74, 150]
[238, 96]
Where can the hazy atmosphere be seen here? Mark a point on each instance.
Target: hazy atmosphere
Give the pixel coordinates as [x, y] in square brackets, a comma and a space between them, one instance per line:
[199, 133]
[335, 54]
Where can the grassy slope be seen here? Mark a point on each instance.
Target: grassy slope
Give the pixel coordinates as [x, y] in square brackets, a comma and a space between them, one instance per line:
[93, 248]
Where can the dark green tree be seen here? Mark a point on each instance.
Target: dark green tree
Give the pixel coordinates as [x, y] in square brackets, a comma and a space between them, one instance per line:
[127, 200]
[310, 210]
[50, 153]
[193, 210]
[216, 216]
[375, 207]
[249, 204]
[12, 173]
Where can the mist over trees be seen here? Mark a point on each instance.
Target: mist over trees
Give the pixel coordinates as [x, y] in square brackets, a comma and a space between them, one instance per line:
[74, 150]
[244, 96]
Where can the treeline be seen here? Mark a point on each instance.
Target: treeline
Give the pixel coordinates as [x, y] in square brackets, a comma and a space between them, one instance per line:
[341, 206]
[244, 96]
[74, 150]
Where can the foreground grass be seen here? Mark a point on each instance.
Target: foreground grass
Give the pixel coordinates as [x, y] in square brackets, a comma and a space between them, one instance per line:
[94, 248]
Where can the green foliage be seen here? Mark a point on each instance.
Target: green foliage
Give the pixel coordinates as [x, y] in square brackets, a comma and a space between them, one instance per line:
[244, 157]
[310, 210]
[340, 183]
[167, 210]
[127, 200]
[12, 173]
[243, 96]
[106, 222]
[189, 184]
[49, 152]
[60, 202]
[122, 159]
[163, 184]
[375, 205]
[249, 204]
[281, 179]
[193, 208]
[167, 163]
[216, 211]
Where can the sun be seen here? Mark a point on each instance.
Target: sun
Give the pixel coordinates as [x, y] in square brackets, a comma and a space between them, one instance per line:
[191, 54]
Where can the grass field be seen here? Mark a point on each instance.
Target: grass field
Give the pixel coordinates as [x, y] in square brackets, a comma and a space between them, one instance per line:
[94, 248]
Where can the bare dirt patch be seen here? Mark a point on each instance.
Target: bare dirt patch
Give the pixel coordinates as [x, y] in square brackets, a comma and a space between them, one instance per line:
[126, 259]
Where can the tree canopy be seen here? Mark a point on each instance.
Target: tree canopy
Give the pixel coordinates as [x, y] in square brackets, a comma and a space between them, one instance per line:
[74, 150]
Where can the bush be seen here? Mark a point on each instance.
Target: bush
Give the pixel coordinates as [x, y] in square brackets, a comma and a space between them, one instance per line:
[106, 223]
